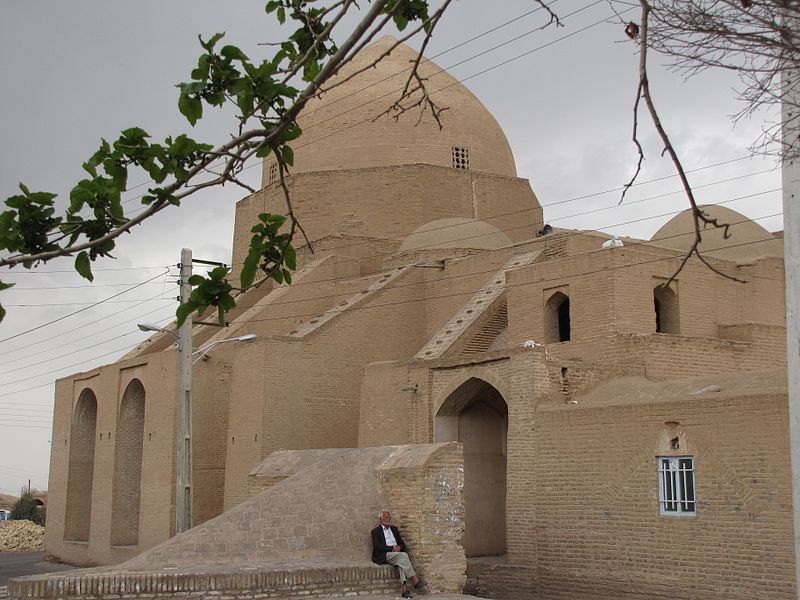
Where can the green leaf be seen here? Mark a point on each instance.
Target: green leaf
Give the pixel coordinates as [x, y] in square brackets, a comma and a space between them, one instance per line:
[290, 257]
[184, 310]
[281, 14]
[209, 45]
[191, 107]
[84, 266]
[233, 53]
[311, 70]
[218, 273]
[248, 274]
[288, 155]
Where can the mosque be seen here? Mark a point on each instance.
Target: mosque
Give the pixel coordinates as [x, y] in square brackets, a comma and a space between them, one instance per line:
[616, 436]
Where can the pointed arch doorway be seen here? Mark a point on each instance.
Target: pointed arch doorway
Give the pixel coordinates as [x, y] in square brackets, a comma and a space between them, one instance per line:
[476, 415]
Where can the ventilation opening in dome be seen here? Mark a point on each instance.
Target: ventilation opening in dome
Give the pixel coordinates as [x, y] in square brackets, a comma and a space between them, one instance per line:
[460, 157]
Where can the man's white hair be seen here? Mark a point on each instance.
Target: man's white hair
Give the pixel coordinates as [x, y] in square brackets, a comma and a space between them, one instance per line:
[380, 514]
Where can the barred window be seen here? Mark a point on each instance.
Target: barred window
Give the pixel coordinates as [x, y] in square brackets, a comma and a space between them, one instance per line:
[676, 490]
[273, 172]
[460, 158]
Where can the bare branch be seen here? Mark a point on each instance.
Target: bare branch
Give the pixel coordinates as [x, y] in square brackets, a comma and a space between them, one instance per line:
[698, 216]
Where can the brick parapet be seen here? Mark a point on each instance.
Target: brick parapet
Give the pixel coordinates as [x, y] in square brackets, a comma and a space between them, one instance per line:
[289, 583]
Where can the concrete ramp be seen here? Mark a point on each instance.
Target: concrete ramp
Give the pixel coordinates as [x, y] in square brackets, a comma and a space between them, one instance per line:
[306, 535]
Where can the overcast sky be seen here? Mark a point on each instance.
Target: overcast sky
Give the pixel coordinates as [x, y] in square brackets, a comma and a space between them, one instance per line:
[74, 72]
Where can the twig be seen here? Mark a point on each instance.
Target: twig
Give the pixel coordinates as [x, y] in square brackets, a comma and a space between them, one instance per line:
[698, 216]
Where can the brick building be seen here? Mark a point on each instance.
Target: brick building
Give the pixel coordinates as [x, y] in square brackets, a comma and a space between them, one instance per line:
[620, 438]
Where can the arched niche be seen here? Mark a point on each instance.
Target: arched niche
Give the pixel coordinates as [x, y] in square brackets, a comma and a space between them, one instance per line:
[557, 318]
[128, 467]
[81, 468]
[665, 302]
[476, 415]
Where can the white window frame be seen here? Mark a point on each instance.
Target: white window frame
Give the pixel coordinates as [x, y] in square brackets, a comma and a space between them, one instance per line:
[677, 492]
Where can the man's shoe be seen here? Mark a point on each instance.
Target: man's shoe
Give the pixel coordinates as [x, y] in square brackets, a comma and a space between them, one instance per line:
[406, 595]
[420, 584]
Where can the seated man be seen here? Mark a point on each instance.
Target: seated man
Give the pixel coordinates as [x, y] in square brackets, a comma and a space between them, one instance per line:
[388, 547]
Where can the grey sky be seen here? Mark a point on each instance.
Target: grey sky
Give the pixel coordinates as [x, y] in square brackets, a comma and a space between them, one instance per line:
[74, 72]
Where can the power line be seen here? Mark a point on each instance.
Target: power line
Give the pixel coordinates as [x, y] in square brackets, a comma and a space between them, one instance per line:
[83, 326]
[83, 309]
[77, 364]
[617, 224]
[660, 258]
[51, 348]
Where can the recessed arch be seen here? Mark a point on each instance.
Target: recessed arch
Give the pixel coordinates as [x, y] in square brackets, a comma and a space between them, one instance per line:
[476, 415]
[557, 326]
[128, 466]
[81, 468]
[665, 302]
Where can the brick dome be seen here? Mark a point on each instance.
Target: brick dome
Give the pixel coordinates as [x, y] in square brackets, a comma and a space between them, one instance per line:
[748, 240]
[455, 233]
[343, 128]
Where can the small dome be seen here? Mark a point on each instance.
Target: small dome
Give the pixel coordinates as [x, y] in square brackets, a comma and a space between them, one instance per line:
[748, 241]
[345, 127]
[455, 233]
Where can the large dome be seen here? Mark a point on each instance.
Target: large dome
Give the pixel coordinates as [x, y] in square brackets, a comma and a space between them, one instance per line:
[344, 128]
[455, 233]
[748, 240]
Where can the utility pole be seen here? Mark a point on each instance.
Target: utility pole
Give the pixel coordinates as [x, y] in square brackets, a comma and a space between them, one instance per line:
[790, 180]
[183, 445]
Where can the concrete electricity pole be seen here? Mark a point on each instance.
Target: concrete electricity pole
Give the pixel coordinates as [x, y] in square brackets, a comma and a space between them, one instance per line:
[790, 176]
[183, 445]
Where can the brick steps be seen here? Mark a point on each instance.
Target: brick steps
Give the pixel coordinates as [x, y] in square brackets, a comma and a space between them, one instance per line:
[292, 582]
[483, 340]
[474, 309]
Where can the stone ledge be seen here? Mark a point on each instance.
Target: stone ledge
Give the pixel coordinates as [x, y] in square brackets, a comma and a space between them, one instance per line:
[288, 582]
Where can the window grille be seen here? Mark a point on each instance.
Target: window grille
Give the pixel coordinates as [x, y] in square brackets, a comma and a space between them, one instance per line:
[676, 490]
[460, 158]
[273, 172]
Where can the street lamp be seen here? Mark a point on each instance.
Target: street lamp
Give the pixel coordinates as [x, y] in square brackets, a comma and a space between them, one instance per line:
[156, 328]
[183, 425]
[204, 350]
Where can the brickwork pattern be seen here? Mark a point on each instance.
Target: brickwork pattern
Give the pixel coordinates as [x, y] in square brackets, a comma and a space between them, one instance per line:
[585, 417]
[128, 467]
[599, 532]
[473, 310]
[307, 535]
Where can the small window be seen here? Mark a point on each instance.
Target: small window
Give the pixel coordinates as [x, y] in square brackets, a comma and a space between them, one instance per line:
[273, 172]
[460, 158]
[557, 320]
[665, 302]
[676, 495]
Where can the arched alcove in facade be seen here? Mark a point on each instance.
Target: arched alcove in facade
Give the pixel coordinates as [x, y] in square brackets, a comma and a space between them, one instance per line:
[128, 467]
[476, 415]
[81, 468]
[557, 319]
[665, 302]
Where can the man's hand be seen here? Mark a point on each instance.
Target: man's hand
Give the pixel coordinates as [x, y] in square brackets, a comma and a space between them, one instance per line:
[396, 549]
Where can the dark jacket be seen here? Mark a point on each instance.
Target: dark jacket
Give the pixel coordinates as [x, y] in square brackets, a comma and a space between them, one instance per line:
[379, 547]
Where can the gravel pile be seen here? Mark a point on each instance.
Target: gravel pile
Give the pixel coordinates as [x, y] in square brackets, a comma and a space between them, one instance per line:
[21, 536]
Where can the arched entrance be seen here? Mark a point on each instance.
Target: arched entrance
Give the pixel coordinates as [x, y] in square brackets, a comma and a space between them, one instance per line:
[476, 415]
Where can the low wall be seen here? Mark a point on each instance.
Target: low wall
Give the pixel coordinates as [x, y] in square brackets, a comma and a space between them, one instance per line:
[289, 583]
